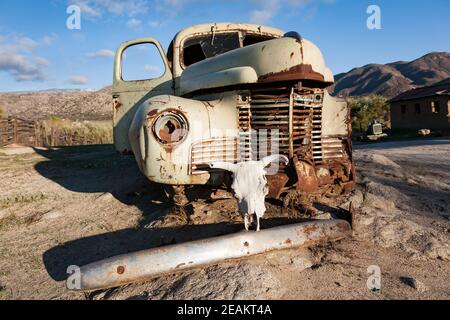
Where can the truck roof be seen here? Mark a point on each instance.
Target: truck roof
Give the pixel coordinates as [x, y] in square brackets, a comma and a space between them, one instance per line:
[226, 26]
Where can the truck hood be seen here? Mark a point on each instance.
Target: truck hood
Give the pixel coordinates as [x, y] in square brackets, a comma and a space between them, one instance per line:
[282, 59]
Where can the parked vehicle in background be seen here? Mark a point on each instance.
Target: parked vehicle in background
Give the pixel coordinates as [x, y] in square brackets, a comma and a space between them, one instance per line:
[374, 132]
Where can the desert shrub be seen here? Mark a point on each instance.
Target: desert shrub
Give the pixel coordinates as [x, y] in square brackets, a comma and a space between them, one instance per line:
[60, 132]
[368, 108]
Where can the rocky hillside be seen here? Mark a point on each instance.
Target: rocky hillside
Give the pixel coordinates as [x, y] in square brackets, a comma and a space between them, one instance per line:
[75, 105]
[393, 78]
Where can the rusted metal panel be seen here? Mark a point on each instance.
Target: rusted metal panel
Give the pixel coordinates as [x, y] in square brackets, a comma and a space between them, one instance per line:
[276, 183]
[306, 174]
[268, 61]
[156, 262]
[299, 73]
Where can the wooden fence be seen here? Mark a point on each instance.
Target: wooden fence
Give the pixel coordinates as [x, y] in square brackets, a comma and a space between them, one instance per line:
[34, 134]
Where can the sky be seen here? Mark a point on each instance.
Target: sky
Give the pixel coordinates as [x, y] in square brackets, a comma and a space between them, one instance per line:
[39, 52]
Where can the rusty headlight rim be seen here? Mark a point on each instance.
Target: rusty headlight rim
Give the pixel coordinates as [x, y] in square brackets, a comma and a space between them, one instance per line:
[170, 127]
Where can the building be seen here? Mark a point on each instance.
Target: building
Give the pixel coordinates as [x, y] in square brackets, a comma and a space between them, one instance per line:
[422, 108]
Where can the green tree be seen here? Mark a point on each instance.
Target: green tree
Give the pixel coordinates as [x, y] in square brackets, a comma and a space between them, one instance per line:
[368, 108]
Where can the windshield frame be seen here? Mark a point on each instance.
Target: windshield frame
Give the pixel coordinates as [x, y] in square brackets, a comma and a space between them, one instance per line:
[204, 34]
[241, 35]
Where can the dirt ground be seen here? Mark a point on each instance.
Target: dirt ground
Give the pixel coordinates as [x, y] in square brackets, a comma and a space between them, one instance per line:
[73, 206]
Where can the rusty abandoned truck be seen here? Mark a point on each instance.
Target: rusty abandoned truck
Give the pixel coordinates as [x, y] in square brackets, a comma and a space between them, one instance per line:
[232, 96]
[222, 83]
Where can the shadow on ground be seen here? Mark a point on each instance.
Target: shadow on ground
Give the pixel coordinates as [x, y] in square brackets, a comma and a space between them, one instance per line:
[99, 169]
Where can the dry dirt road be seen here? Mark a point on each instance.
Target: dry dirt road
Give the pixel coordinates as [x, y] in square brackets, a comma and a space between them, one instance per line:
[73, 206]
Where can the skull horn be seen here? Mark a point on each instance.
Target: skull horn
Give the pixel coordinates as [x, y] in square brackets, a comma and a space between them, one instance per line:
[269, 159]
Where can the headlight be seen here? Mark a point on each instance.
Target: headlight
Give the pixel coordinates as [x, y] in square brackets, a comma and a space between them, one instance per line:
[170, 127]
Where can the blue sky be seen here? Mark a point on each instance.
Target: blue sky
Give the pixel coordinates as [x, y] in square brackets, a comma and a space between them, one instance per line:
[38, 52]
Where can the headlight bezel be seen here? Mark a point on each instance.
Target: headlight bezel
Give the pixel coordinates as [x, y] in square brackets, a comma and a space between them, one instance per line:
[170, 127]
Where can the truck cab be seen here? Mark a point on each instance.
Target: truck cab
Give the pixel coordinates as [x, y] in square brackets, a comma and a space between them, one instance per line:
[230, 93]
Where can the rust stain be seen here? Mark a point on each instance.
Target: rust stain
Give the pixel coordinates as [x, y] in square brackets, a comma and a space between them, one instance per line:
[276, 183]
[298, 72]
[120, 269]
[307, 179]
[117, 104]
[309, 229]
[153, 113]
[246, 244]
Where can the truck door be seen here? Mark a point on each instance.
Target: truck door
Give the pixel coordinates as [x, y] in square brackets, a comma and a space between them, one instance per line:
[129, 92]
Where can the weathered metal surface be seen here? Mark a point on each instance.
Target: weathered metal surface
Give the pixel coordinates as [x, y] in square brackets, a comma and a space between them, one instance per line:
[268, 61]
[306, 174]
[202, 29]
[155, 262]
[127, 95]
[299, 73]
[212, 150]
[276, 183]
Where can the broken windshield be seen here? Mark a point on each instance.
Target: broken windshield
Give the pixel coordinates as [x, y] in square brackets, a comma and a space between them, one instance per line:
[200, 48]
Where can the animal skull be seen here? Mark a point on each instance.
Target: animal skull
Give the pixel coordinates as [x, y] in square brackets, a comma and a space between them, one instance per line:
[250, 185]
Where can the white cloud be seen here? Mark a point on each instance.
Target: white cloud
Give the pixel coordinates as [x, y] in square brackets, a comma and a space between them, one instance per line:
[48, 40]
[97, 8]
[78, 80]
[20, 67]
[101, 53]
[151, 69]
[171, 8]
[154, 24]
[265, 11]
[17, 58]
[132, 23]
[42, 61]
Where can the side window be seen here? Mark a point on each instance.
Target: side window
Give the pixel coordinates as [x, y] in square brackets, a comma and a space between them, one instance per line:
[435, 108]
[142, 62]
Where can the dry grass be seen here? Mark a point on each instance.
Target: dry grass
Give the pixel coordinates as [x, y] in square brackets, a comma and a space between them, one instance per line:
[96, 132]
[21, 199]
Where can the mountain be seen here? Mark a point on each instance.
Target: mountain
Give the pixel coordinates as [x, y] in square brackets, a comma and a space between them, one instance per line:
[69, 104]
[393, 78]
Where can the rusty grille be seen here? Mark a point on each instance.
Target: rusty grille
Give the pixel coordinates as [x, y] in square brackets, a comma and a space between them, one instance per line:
[297, 115]
[212, 150]
[286, 121]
